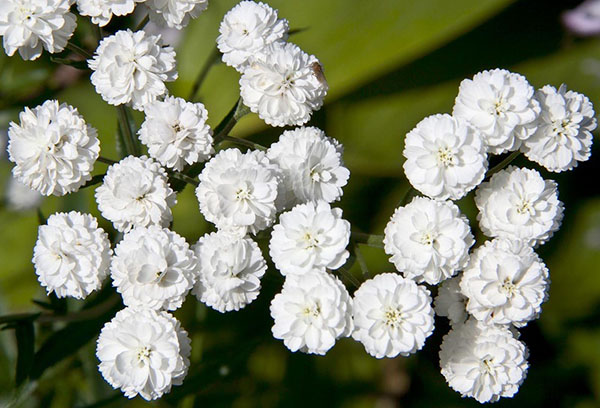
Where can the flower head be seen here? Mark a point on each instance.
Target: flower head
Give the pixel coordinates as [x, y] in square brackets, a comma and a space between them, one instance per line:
[135, 193]
[284, 85]
[501, 105]
[505, 282]
[30, 25]
[71, 255]
[153, 267]
[132, 67]
[239, 190]
[311, 312]
[483, 362]
[142, 351]
[517, 203]
[311, 165]
[176, 132]
[584, 20]
[229, 271]
[564, 129]
[246, 30]
[429, 240]
[101, 11]
[445, 157]
[175, 13]
[19, 197]
[392, 316]
[450, 302]
[311, 236]
[53, 148]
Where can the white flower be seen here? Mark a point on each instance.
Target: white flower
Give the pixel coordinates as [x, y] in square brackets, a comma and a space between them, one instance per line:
[30, 25]
[450, 302]
[229, 271]
[445, 157]
[505, 282]
[142, 351]
[132, 67]
[175, 13]
[53, 148]
[135, 193]
[246, 30]
[176, 132]
[284, 85]
[71, 255]
[392, 315]
[239, 190]
[311, 312]
[517, 203]
[429, 240]
[501, 105]
[564, 129]
[153, 267]
[101, 11]
[483, 362]
[311, 165]
[311, 236]
[19, 197]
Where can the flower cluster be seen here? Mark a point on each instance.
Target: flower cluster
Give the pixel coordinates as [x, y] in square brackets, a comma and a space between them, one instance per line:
[284, 193]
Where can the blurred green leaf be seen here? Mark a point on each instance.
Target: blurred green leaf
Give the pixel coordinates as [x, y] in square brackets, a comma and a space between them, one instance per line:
[25, 335]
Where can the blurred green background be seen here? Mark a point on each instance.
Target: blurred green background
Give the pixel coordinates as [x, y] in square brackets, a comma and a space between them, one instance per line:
[389, 63]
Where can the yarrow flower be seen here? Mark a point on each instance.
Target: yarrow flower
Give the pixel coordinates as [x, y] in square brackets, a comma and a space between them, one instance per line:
[132, 67]
[246, 30]
[311, 236]
[483, 362]
[175, 13]
[505, 282]
[101, 11]
[239, 190]
[312, 311]
[142, 351]
[450, 302]
[30, 25]
[19, 197]
[392, 316]
[564, 129]
[517, 203]
[284, 85]
[445, 157]
[153, 267]
[176, 132]
[54, 149]
[71, 255]
[428, 240]
[311, 165]
[229, 271]
[135, 193]
[501, 105]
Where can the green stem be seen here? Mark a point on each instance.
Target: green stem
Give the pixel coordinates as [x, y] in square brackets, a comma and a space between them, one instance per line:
[131, 142]
[105, 160]
[182, 177]
[408, 196]
[142, 23]
[78, 50]
[212, 59]
[507, 160]
[368, 239]
[230, 120]
[244, 142]
[361, 261]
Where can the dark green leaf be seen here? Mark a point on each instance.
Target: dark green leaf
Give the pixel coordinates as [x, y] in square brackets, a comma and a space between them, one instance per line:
[18, 317]
[25, 348]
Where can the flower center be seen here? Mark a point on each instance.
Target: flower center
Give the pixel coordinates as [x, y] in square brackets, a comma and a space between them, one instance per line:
[143, 354]
[310, 241]
[499, 107]
[177, 127]
[486, 366]
[427, 238]
[509, 287]
[445, 157]
[317, 174]
[561, 127]
[311, 310]
[524, 207]
[392, 317]
[242, 194]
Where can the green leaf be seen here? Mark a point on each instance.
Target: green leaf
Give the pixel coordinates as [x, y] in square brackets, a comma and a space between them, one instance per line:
[25, 334]
[17, 318]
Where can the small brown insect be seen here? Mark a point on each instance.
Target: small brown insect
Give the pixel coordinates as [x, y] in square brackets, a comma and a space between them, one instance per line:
[318, 71]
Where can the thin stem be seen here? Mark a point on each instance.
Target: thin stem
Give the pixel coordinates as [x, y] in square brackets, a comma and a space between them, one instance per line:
[346, 273]
[186, 179]
[361, 261]
[213, 57]
[507, 160]
[78, 50]
[409, 195]
[131, 143]
[230, 120]
[105, 160]
[244, 142]
[85, 314]
[368, 239]
[142, 23]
